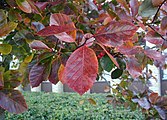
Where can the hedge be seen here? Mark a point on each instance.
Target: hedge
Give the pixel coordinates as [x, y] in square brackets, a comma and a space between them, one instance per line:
[71, 106]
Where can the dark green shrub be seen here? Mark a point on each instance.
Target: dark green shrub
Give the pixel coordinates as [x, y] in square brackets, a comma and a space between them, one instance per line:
[66, 106]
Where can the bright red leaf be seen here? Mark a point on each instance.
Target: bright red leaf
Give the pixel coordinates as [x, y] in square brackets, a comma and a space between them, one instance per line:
[39, 45]
[81, 70]
[115, 33]
[39, 73]
[61, 20]
[60, 73]
[13, 101]
[133, 67]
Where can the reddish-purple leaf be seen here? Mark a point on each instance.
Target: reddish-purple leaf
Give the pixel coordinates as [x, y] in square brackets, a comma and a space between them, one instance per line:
[24, 6]
[115, 33]
[154, 38]
[129, 50]
[41, 5]
[53, 77]
[133, 67]
[155, 55]
[157, 2]
[39, 45]
[164, 23]
[38, 73]
[81, 70]
[13, 101]
[134, 5]
[87, 39]
[54, 29]
[61, 20]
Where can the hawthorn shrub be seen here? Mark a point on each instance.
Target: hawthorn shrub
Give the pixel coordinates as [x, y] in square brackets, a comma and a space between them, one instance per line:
[68, 106]
[74, 41]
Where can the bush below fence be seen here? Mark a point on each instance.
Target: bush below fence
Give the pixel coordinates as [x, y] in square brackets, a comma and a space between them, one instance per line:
[71, 106]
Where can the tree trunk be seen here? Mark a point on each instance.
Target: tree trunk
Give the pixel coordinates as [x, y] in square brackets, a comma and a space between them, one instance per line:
[2, 114]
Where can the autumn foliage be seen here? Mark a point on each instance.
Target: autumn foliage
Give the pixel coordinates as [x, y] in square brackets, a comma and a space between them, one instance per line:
[74, 41]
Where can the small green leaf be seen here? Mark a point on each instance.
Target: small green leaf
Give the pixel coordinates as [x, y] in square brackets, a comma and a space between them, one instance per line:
[7, 28]
[106, 63]
[116, 73]
[147, 9]
[3, 17]
[5, 48]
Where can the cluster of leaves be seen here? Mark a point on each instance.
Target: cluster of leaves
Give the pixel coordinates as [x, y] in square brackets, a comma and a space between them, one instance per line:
[71, 107]
[74, 41]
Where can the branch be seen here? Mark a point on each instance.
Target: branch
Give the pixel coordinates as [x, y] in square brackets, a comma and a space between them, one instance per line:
[157, 11]
[156, 32]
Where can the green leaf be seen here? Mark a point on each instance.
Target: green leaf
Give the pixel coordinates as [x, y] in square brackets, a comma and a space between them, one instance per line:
[116, 73]
[12, 79]
[5, 48]
[7, 28]
[147, 9]
[1, 77]
[3, 17]
[106, 63]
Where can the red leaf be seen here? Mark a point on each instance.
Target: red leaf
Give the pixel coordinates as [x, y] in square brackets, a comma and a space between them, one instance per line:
[39, 73]
[39, 45]
[133, 67]
[154, 38]
[88, 39]
[53, 77]
[164, 23]
[153, 98]
[53, 29]
[129, 50]
[155, 55]
[81, 70]
[157, 2]
[13, 101]
[24, 6]
[115, 33]
[134, 5]
[111, 57]
[61, 20]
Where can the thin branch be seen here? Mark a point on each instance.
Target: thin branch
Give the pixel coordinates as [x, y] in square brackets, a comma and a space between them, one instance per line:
[156, 32]
[158, 11]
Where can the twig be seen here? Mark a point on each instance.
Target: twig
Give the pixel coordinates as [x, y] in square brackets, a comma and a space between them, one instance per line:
[158, 11]
[156, 32]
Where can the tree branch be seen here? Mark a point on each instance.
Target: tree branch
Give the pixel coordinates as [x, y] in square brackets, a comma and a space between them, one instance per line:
[158, 11]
